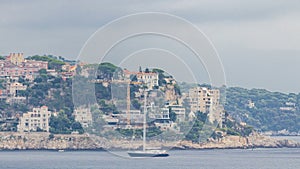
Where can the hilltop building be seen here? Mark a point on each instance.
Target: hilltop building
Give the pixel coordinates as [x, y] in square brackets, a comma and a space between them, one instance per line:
[15, 58]
[16, 66]
[150, 79]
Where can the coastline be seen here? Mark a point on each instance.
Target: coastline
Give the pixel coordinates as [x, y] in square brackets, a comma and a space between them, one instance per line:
[41, 141]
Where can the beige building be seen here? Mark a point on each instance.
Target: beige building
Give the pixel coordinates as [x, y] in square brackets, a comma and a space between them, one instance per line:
[203, 99]
[15, 87]
[16, 66]
[83, 115]
[150, 79]
[12, 91]
[15, 58]
[38, 118]
[207, 101]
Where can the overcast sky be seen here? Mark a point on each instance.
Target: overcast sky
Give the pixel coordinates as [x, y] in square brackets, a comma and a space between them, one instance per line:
[258, 41]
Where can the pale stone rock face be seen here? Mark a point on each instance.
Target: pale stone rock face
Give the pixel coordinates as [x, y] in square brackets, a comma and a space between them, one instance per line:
[34, 140]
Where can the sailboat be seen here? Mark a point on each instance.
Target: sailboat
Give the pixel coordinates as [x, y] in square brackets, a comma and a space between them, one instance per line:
[147, 152]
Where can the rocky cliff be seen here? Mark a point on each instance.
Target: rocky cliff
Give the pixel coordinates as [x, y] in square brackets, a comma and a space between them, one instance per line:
[45, 141]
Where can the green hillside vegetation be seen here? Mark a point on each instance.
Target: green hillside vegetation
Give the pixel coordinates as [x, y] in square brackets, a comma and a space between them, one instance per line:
[53, 61]
[266, 115]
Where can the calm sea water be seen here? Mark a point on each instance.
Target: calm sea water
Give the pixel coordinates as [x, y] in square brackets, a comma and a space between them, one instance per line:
[201, 159]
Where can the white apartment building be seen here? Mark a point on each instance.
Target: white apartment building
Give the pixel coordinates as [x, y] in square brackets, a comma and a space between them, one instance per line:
[158, 113]
[38, 118]
[83, 115]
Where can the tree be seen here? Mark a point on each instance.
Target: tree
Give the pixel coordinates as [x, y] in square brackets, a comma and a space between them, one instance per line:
[147, 70]
[53, 62]
[42, 72]
[60, 124]
[173, 116]
[106, 71]
[51, 136]
[194, 133]
[135, 103]
[76, 126]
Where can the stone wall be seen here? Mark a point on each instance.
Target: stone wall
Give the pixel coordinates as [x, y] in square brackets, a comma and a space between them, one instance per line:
[43, 141]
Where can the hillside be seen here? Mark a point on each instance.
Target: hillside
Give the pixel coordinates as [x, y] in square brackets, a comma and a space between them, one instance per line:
[265, 110]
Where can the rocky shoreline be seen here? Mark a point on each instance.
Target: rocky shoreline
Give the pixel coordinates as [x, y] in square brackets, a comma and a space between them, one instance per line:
[44, 141]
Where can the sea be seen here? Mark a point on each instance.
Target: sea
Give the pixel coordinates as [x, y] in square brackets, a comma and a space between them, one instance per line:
[261, 158]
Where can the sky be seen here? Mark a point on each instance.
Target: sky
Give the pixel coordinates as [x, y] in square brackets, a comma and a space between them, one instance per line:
[258, 41]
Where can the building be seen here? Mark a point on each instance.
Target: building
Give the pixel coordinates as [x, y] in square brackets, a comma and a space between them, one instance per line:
[14, 100]
[289, 107]
[203, 99]
[136, 117]
[207, 101]
[14, 88]
[69, 68]
[68, 71]
[179, 111]
[15, 58]
[157, 113]
[37, 120]
[150, 79]
[16, 66]
[250, 104]
[83, 115]
[12, 92]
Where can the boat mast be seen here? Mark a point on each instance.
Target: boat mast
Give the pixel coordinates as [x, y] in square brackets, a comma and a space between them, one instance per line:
[144, 123]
